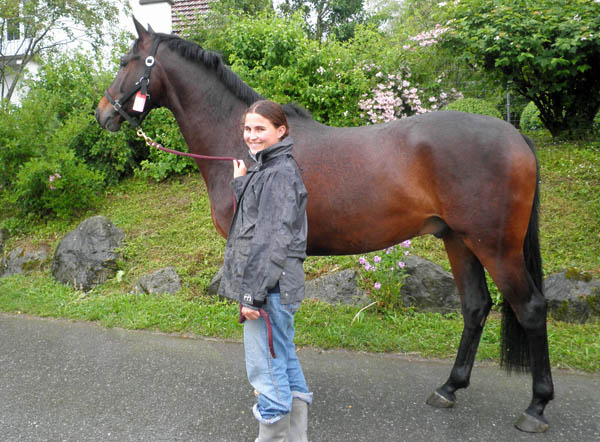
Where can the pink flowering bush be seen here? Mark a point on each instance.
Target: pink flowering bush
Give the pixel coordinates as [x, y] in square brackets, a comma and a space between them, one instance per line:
[398, 95]
[383, 275]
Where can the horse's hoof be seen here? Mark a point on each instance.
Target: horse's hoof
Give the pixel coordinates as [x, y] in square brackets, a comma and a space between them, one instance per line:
[440, 401]
[531, 424]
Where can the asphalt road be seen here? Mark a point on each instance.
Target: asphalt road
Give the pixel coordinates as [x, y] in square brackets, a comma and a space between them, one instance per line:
[71, 381]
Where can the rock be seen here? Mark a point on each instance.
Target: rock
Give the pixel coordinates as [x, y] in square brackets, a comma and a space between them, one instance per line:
[87, 256]
[161, 281]
[3, 238]
[22, 261]
[572, 299]
[428, 287]
[338, 287]
[213, 287]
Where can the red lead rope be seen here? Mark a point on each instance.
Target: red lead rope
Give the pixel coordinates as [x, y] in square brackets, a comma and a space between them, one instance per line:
[265, 316]
[150, 142]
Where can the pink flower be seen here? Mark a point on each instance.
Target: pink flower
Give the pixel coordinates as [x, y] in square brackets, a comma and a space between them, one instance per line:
[406, 243]
[362, 261]
[51, 179]
[377, 286]
[401, 265]
[376, 259]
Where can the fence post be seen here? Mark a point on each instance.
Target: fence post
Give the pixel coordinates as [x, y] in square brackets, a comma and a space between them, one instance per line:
[508, 101]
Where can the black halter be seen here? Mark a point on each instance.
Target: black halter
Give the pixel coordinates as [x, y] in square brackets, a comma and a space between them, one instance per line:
[141, 85]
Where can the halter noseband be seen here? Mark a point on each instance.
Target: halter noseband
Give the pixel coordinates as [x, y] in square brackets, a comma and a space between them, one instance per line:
[141, 85]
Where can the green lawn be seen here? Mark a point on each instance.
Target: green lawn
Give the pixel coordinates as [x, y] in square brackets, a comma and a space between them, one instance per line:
[169, 224]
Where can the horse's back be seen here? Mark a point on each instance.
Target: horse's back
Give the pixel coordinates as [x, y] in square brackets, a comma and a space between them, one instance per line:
[408, 177]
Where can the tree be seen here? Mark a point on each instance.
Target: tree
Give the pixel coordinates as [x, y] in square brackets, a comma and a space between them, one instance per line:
[548, 49]
[325, 17]
[29, 28]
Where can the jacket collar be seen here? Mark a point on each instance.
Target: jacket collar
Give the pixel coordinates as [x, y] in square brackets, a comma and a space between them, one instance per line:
[283, 147]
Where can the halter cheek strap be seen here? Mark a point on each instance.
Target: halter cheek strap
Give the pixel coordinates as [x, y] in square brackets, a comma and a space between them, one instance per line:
[141, 85]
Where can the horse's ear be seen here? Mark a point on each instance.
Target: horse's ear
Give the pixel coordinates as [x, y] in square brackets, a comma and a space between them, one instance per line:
[150, 30]
[140, 29]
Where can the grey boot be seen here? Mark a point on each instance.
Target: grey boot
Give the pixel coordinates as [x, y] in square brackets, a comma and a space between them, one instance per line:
[298, 421]
[277, 432]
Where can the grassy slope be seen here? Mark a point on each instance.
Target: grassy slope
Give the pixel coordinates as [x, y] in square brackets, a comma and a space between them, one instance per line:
[169, 224]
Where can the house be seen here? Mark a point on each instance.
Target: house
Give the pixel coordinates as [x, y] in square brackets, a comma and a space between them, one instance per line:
[168, 15]
[165, 16]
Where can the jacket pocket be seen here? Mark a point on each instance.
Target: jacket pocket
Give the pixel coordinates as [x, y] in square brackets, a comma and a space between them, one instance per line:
[291, 281]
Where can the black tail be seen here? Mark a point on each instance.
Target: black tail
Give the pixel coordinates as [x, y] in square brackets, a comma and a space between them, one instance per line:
[514, 350]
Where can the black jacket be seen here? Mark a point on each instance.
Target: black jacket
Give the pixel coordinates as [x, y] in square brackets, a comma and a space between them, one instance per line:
[266, 244]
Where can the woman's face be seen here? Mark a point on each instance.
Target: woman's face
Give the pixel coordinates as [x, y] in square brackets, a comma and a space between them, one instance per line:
[260, 133]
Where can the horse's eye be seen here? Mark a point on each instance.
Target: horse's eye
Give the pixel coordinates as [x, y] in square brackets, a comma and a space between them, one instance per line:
[124, 60]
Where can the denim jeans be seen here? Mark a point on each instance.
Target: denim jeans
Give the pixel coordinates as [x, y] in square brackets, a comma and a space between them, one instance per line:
[277, 380]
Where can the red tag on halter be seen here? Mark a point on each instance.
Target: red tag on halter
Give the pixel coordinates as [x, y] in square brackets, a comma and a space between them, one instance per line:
[139, 102]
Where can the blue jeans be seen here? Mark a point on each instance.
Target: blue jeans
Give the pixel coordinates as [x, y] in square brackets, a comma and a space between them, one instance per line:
[277, 380]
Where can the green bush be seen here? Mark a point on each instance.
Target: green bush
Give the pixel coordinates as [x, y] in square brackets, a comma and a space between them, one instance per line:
[59, 186]
[530, 118]
[474, 106]
[24, 134]
[275, 57]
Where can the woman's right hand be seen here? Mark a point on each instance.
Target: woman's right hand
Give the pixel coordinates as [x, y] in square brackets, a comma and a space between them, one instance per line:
[250, 314]
[239, 168]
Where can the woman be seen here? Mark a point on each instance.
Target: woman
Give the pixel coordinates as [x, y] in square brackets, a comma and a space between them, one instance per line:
[265, 249]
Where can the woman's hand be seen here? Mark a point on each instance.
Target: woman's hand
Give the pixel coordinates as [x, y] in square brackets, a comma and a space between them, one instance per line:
[250, 314]
[239, 168]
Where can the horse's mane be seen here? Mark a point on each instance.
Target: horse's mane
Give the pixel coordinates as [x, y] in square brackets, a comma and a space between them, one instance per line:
[212, 60]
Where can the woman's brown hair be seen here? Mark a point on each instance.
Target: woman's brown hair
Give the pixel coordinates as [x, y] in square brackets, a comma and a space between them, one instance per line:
[271, 111]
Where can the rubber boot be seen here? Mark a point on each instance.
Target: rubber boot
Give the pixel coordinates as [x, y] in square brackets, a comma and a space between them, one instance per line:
[277, 432]
[298, 421]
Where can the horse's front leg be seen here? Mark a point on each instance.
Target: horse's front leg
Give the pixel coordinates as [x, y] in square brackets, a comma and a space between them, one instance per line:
[476, 304]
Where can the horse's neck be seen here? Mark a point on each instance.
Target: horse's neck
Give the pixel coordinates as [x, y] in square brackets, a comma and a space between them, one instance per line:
[208, 115]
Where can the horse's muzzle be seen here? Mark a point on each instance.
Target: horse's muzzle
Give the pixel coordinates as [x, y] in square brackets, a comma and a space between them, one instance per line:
[107, 117]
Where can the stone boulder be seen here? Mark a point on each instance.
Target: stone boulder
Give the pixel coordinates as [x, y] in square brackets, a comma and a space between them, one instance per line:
[88, 256]
[213, 287]
[338, 287]
[3, 238]
[572, 298]
[20, 260]
[161, 281]
[428, 287]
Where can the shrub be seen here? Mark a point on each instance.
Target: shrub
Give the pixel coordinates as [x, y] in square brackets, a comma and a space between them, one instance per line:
[530, 118]
[59, 185]
[115, 155]
[474, 106]
[24, 134]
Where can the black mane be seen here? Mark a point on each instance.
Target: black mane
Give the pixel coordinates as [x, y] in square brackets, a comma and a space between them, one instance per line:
[212, 60]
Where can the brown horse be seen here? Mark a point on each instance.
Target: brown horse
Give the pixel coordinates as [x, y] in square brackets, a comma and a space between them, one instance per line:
[470, 180]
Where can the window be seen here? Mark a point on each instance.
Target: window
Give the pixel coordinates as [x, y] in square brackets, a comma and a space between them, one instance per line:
[12, 29]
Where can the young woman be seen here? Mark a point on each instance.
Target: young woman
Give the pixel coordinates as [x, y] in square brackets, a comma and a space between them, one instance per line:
[265, 249]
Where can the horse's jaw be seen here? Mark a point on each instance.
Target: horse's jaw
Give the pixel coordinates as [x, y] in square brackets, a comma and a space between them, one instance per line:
[107, 117]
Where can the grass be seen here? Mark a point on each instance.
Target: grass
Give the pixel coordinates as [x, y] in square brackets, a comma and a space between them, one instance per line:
[169, 223]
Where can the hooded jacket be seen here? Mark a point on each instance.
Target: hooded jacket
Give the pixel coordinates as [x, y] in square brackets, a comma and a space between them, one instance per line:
[266, 244]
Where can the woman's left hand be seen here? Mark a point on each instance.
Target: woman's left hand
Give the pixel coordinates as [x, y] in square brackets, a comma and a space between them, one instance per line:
[239, 168]
[250, 314]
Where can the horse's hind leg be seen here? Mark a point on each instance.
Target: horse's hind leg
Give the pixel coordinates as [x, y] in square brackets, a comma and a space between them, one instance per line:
[476, 304]
[526, 341]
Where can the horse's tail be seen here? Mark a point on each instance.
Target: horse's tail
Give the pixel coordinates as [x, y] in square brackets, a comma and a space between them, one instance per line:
[514, 353]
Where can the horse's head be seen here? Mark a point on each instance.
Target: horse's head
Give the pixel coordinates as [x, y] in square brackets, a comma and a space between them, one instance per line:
[132, 93]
